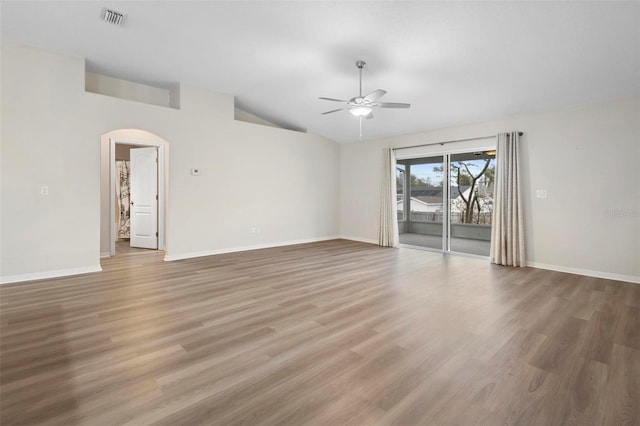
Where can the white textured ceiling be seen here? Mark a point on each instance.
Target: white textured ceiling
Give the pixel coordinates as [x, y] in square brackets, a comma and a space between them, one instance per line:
[455, 62]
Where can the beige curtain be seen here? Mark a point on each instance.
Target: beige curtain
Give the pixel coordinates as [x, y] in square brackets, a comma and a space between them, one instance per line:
[388, 236]
[507, 233]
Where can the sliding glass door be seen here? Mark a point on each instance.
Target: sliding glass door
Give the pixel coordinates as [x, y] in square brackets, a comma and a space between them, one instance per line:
[445, 202]
[471, 202]
[422, 207]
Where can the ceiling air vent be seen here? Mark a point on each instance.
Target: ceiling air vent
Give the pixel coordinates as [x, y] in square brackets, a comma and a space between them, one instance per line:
[112, 17]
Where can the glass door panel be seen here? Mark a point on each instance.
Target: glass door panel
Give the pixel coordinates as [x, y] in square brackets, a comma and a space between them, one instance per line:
[471, 180]
[421, 206]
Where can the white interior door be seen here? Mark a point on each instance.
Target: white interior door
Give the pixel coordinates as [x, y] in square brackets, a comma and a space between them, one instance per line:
[144, 197]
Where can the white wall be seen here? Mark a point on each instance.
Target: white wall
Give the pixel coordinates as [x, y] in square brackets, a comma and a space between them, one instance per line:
[97, 83]
[284, 182]
[587, 158]
[241, 115]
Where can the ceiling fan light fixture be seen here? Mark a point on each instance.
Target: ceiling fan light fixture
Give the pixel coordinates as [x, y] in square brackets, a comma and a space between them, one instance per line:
[360, 110]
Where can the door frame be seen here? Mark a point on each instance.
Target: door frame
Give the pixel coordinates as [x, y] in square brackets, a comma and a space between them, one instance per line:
[446, 164]
[112, 189]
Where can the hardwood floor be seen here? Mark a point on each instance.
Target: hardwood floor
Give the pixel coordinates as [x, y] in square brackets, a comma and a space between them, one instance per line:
[328, 333]
[124, 247]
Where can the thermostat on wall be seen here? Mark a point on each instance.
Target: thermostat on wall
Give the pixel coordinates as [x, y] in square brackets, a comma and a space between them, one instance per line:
[195, 172]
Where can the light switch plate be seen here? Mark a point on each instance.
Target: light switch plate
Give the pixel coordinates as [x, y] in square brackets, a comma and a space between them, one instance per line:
[541, 193]
[195, 172]
[44, 190]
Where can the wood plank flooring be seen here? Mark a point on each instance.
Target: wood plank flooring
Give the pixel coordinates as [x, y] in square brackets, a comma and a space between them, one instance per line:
[328, 333]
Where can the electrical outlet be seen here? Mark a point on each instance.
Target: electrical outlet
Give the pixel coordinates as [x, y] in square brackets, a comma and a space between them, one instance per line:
[44, 190]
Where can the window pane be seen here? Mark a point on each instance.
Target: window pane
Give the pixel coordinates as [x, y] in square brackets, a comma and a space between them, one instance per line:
[427, 191]
[472, 183]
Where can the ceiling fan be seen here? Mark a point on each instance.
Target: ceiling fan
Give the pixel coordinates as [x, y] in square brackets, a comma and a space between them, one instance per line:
[363, 106]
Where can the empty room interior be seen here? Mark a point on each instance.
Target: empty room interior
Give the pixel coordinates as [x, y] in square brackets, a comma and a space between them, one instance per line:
[320, 213]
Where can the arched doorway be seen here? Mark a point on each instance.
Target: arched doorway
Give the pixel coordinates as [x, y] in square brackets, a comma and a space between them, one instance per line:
[111, 143]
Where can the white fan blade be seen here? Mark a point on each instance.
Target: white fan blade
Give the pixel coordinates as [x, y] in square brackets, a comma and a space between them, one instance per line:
[376, 94]
[333, 99]
[393, 105]
[333, 110]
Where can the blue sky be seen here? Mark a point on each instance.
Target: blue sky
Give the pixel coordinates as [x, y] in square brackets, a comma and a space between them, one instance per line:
[425, 171]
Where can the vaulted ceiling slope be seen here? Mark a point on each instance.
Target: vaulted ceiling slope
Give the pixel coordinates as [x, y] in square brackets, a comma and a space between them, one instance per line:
[455, 62]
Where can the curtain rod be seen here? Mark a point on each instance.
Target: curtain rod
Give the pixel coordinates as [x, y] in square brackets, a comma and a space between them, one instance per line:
[443, 142]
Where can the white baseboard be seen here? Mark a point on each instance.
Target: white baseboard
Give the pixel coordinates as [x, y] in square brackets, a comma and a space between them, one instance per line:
[578, 271]
[49, 274]
[105, 254]
[361, 240]
[91, 269]
[586, 272]
[190, 255]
